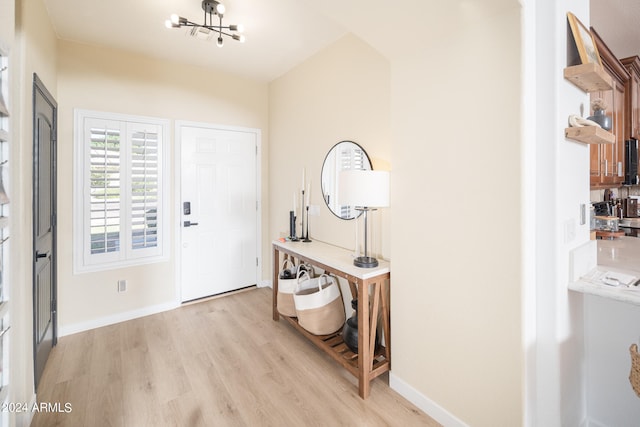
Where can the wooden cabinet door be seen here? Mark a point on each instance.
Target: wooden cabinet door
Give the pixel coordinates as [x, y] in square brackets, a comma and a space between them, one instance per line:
[632, 64]
[607, 160]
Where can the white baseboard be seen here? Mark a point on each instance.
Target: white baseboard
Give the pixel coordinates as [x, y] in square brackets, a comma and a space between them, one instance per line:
[427, 405]
[266, 284]
[116, 318]
[593, 423]
[24, 418]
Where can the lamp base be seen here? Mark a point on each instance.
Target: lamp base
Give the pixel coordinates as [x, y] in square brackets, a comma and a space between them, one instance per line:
[365, 262]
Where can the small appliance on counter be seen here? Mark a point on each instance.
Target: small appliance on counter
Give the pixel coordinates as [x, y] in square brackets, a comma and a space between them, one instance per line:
[630, 207]
[607, 227]
[602, 208]
[631, 162]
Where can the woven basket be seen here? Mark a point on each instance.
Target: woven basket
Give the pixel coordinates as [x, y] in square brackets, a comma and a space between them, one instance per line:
[634, 375]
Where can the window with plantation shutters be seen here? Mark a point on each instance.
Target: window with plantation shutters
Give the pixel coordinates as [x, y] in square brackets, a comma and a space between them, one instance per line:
[120, 212]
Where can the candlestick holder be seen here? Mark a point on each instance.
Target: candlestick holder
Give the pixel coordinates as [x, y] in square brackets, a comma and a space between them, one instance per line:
[302, 236]
[292, 227]
[306, 235]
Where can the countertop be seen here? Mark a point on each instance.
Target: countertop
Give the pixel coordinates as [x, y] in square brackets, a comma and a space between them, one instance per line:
[620, 256]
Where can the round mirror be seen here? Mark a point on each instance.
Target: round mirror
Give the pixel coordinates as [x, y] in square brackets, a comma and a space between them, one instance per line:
[345, 155]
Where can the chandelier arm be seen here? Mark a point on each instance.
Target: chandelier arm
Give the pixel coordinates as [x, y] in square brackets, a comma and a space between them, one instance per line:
[209, 7]
[216, 28]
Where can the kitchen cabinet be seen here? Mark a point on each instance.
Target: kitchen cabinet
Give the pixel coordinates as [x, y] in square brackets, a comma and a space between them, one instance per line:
[607, 160]
[632, 64]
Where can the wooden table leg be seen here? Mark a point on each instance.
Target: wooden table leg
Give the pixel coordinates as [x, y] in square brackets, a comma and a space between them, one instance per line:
[373, 328]
[386, 324]
[276, 267]
[364, 354]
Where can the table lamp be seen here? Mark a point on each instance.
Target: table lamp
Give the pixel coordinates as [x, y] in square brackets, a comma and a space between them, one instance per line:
[366, 190]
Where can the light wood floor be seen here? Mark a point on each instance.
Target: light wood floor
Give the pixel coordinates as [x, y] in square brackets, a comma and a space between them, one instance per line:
[222, 362]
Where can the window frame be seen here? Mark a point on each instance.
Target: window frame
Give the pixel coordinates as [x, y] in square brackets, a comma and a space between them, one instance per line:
[125, 256]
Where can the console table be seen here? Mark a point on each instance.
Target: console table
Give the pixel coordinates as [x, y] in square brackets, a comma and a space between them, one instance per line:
[369, 285]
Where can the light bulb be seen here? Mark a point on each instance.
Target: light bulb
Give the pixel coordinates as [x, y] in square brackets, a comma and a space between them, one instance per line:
[238, 37]
[220, 9]
[168, 23]
[239, 28]
[220, 41]
[175, 19]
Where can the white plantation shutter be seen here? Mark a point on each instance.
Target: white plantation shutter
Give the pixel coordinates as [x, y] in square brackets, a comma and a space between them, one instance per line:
[144, 189]
[119, 197]
[104, 202]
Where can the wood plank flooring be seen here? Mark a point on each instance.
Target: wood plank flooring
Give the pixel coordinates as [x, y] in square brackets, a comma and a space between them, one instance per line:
[221, 362]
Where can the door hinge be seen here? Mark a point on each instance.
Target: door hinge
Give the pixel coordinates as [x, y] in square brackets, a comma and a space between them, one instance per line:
[54, 306]
[257, 262]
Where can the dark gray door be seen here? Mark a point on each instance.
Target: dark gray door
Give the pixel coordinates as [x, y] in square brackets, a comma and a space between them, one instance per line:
[44, 225]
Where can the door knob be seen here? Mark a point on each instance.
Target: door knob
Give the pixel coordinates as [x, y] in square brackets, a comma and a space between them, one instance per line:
[189, 224]
[39, 255]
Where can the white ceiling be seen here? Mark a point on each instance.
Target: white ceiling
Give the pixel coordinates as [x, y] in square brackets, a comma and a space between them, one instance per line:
[618, 23]
[282, 33]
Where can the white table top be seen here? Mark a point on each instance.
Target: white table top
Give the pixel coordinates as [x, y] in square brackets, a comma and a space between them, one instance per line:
[333, 256]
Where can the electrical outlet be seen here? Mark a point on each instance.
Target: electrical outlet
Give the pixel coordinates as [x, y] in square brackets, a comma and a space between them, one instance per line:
[122, 285]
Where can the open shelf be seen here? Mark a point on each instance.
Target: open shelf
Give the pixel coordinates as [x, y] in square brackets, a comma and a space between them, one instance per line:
[589, 135]
[334, 346]
[588, 77]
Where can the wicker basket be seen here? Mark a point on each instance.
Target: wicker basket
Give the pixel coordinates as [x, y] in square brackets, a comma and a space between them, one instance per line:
[634, 375]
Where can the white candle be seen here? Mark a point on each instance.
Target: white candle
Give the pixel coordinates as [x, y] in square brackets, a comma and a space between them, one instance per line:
[308, 195]
[294, 203]
[303, 173]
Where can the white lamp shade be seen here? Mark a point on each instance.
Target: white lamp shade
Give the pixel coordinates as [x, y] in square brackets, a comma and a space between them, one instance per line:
[364, 188]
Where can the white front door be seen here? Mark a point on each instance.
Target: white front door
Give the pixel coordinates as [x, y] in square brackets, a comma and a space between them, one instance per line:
[219, 232]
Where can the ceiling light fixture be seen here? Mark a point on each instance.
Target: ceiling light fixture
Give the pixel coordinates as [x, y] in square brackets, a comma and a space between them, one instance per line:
[208, 30]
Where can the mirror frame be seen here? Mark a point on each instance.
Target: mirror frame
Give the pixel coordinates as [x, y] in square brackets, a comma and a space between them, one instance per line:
[367, 159]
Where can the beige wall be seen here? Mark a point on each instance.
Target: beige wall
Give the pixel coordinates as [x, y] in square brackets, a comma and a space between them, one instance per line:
[7, 22]
[456, 283]
[101, 79]
[341, 93]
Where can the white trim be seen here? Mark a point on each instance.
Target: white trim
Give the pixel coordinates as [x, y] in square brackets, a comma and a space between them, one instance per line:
[266, 284]
[179, 124]
[116, 318]
[24, 418]
[427, 405]
[592, 423]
